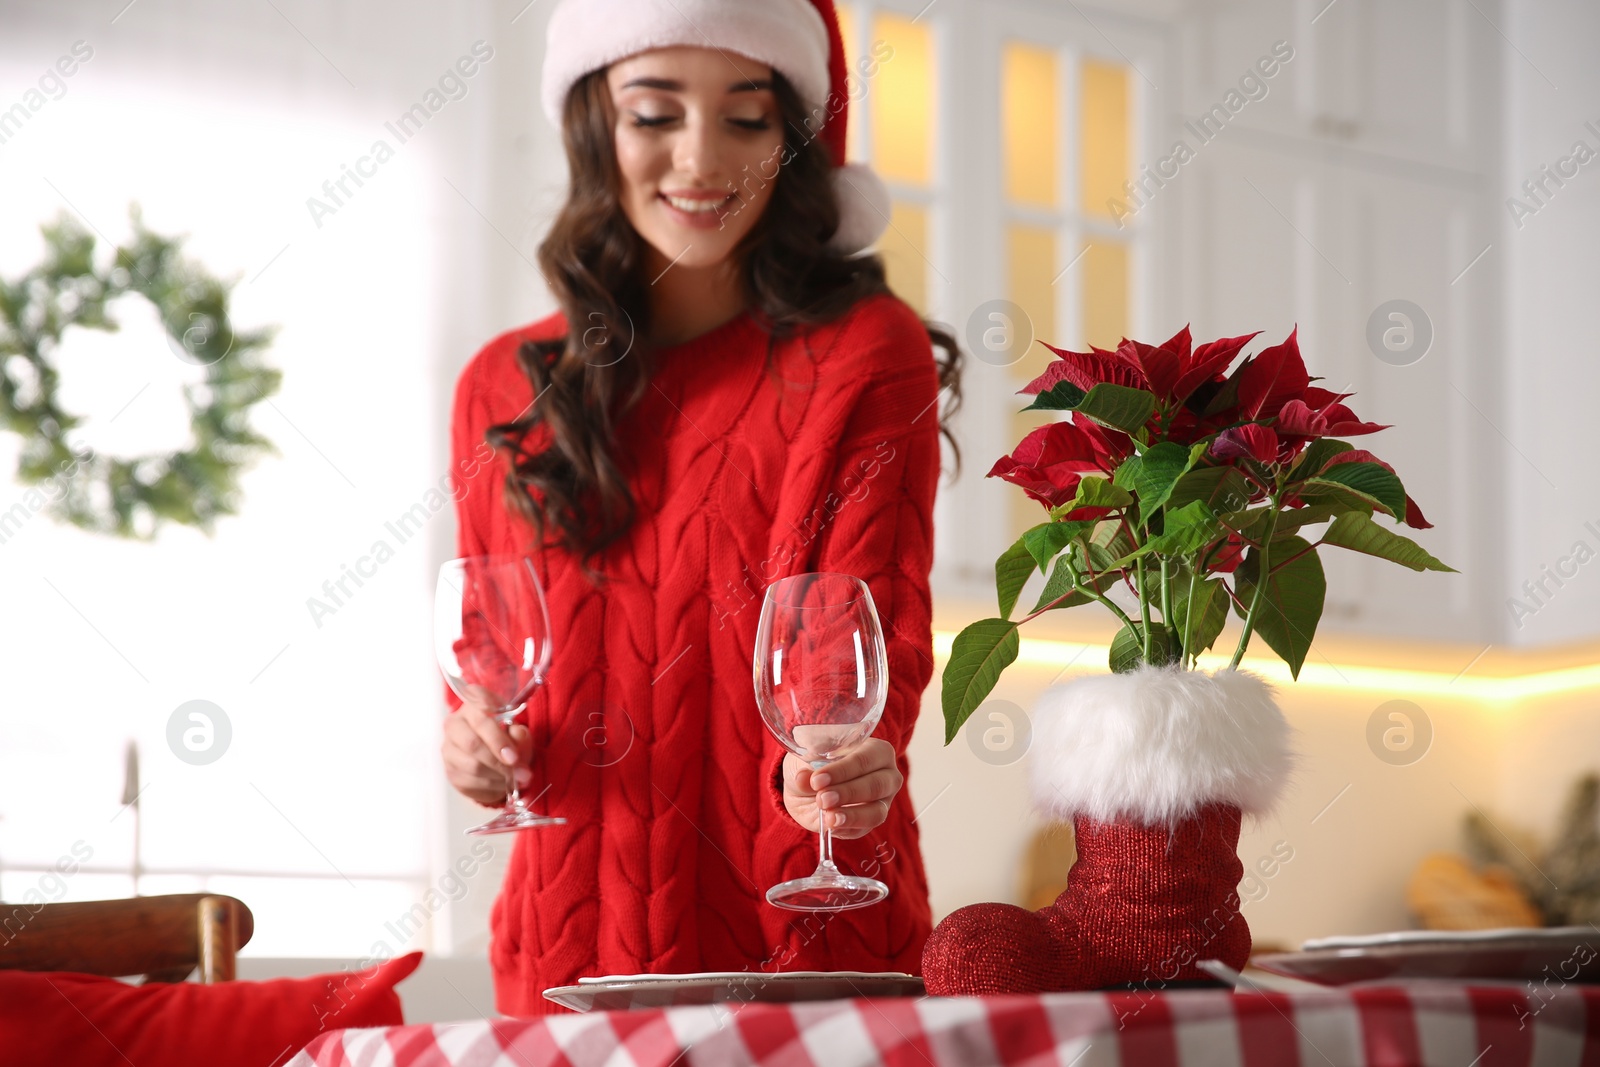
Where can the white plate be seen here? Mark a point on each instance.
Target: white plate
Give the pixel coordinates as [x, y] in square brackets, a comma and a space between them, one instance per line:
[613, 979]
[1565, 953]
[623, 991]
[1558, 934]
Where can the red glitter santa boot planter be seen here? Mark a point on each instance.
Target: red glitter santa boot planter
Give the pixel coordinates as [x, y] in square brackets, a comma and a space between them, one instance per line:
[1155, 768]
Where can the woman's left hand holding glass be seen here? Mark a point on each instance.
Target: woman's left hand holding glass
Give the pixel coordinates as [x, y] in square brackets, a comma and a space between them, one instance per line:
[854, 791]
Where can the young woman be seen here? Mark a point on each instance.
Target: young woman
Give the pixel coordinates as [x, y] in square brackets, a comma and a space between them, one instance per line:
[726, 396]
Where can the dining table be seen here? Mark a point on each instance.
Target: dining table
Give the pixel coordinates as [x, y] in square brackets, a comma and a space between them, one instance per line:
[1414, 1022]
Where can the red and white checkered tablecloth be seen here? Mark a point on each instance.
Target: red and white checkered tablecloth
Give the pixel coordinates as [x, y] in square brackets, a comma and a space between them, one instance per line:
[1407, 1024]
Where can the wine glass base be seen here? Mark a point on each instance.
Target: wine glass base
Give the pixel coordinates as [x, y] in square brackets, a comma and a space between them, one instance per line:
[827, 892]
[510, 820]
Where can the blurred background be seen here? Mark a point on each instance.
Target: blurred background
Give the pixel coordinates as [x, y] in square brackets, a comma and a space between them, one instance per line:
[1408, 182]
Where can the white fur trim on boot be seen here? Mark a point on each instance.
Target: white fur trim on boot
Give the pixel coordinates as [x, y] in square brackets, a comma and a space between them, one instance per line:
[863, 207]
[787, 34]
[1155, 744]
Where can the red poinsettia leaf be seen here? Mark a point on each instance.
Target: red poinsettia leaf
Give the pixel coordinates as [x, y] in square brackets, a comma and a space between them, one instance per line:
[1158, 366]
[1050, 461]
[1042, 490]
[1276, 376]
[1342, 422]
[1110, 446]
[1186, 427]
[1414, 517]
[1318, 398]
[1357, 455]
[1208, 361]
[1001, 466]
[1088, 369]
[1053, 375]
[1049, 486]
[1296, 419]
[1228, 556]
[1254, 440]
[1179, 344]
[1054, 443]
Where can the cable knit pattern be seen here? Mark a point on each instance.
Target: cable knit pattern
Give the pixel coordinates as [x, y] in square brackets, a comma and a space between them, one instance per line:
[647, 734]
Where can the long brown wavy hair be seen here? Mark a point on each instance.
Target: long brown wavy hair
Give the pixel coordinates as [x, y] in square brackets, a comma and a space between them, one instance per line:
[592, 260]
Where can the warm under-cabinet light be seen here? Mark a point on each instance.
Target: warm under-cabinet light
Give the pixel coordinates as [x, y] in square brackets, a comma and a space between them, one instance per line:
[1325, 674]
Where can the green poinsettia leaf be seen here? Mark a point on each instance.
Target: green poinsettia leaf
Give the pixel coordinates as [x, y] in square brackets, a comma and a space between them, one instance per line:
[1202, 620]
[1253, 523]
[1292, 605]
[1368, 479]
[1097, 492]
[1159, 469]
[1049, 538]
[1011, 572]
[1188, 530]
[1118, 406]
[1127, 648]
[1127, 473]
[978, 655]
[1109, 542]
[1316, 456]
[1062, 396]
[1222, 489]
[1093, 492]
[1316, 491]
[1357, 532]
[1060, 581]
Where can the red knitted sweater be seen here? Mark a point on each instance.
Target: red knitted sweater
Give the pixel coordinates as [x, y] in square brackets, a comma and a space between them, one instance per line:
[647, 733]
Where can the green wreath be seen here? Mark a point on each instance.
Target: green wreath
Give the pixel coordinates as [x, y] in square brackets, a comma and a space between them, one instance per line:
[129, 497]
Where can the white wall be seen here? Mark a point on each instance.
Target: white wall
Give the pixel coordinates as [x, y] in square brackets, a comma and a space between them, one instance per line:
[1551, 383]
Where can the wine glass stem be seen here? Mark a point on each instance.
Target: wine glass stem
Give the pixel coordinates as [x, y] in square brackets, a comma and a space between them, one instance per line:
[825, 856]
[825, 837]
[513, 798]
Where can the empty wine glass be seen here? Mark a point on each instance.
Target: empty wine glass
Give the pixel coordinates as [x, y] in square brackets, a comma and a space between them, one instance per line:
[821, 678]
[492, 639]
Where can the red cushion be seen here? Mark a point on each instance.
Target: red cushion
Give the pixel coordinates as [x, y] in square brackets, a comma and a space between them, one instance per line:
[57, 1017]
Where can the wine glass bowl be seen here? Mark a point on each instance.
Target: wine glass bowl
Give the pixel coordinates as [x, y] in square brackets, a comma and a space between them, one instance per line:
[821, 681]
[492, 642]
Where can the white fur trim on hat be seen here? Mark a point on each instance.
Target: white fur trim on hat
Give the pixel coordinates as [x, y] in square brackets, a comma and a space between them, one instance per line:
[864, 206]
[1154, 744]
[585, 35]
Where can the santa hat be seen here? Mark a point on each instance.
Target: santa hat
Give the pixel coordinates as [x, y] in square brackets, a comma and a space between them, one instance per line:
[798, 38]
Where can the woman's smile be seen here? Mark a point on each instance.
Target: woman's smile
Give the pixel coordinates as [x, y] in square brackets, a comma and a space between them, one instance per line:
[705, 210]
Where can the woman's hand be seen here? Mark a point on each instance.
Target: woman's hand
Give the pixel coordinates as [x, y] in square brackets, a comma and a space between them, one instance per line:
[480, 756]
[854, 791]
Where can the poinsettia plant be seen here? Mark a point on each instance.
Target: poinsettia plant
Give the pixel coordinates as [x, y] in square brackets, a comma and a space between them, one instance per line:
[1193, 486]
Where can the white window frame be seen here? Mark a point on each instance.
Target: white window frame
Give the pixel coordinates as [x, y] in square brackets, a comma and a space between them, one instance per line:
[968, 160]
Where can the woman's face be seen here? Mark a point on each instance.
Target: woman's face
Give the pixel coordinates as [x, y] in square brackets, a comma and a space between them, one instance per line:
[698, 144]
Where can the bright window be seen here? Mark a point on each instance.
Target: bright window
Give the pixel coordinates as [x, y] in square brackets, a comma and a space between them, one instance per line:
[1068, 270]
[902, 100]
[1063, 117]
[319, 813]
[1104, 136]
[1031, 123]
[904, 250]
[894, 112]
